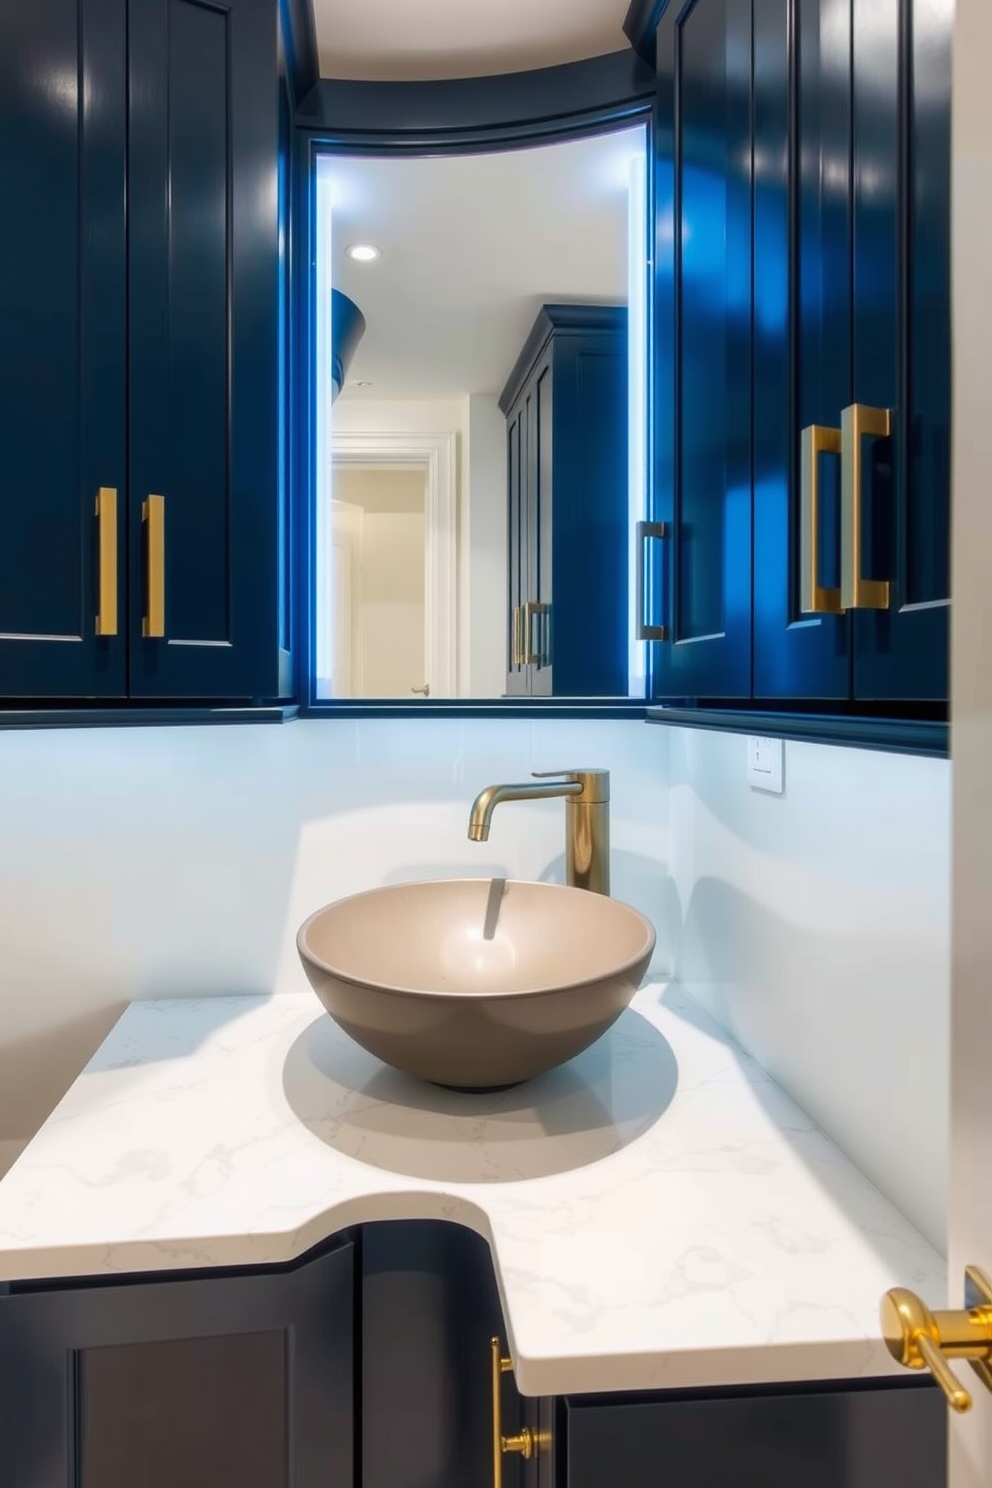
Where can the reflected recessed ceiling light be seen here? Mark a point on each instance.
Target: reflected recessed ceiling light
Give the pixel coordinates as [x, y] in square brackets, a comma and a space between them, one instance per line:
[363, 252]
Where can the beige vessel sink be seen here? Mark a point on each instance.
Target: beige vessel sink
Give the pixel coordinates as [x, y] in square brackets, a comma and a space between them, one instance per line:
[475, 983]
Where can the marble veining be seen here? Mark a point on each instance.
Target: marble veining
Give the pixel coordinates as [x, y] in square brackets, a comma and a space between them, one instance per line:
[659, 1212]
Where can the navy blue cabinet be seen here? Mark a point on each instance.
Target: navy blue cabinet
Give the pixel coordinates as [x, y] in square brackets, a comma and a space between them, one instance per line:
[205, 1380]
[822, 1436]
[702, 352]
[203, 348]
[803, 352]
[63, 82]
[566, 409]
[139, 370]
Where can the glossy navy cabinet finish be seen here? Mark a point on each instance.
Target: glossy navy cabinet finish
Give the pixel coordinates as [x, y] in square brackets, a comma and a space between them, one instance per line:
[203, 308]
[703, 348]
[244, 1378]
[802, 245]
[63, 81]
[141, 356]
[566, 410]
[852, 118]
[823, 1436]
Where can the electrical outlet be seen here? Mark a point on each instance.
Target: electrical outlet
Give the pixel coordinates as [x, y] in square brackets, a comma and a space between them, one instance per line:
[764, 764]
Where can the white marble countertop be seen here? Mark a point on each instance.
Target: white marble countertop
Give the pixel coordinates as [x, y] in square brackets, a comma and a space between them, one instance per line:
[659, 1212]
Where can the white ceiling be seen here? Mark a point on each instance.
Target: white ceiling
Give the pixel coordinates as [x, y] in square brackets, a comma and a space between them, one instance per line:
[461, 38]
[472, 246]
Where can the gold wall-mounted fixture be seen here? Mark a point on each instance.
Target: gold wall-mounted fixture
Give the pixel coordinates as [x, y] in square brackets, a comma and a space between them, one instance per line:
[857, 423]
[646, 532]
[523, 1443]
[921, 1339]
[815, 598]
[587, 820]
[106, 522]
[153, 519]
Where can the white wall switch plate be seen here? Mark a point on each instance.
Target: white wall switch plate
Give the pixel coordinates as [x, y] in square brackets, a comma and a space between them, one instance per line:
[764, 764]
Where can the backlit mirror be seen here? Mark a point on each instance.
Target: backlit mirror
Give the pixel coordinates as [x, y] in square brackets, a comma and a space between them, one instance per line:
[480, 383]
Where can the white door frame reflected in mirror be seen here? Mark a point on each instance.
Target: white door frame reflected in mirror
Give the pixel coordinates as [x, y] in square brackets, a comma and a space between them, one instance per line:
[435, 454]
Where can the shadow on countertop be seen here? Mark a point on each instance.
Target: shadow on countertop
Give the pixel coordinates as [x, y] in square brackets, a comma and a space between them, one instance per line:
[598, 1103]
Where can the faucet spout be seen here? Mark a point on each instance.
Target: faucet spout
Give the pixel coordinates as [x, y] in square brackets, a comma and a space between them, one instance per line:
[485, 803]
[587, 820]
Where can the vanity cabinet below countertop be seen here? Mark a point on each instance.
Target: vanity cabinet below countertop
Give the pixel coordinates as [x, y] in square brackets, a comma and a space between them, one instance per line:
[241, 1250]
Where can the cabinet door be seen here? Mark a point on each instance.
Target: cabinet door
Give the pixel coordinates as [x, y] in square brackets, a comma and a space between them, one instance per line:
[539, 620]
[62, 346]
[429, 1309]
[517, 673]
[703, 331]
[902, 167]
[588, 546]
[213, 1381]
[825, 1439]
[203, 285]
[802, 333]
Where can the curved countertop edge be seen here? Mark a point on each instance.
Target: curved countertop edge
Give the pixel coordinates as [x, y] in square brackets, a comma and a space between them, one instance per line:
[521, 1221]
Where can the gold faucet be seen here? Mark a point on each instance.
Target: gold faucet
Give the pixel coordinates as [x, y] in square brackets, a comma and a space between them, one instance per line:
[587, 820]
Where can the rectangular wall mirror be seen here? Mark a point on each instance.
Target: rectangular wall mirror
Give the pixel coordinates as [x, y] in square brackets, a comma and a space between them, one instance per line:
[480, 421]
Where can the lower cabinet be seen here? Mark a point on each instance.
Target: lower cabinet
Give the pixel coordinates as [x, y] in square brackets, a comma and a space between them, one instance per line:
[369, 1364]
[208, 1381]
[817, 1436]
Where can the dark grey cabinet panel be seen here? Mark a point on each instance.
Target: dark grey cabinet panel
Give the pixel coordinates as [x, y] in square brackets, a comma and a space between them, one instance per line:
[216, 1380]
[825, 1438]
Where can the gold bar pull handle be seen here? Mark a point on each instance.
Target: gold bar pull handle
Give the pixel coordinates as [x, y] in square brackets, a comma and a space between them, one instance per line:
[153, 519]
[106, 522]
[538, 655]
[645, 532]
[857, 423]
[921, 1339]
[523, 1443]
[814, 597]
[516, 645]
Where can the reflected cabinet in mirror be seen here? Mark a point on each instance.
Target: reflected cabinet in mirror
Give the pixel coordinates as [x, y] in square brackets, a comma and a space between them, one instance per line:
[480, 421]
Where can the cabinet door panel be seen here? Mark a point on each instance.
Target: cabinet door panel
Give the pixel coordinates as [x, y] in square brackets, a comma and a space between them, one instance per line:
[706, 328]
[828, 1439]
[902, 340]
[62, 340]
[99, 1385]
[517, 681]
[802, 331]
[203, 279]
[539, 627]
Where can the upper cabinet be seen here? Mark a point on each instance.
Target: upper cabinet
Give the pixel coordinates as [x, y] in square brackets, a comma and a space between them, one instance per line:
[566, 411]
[802, 306]
[62, 348]
[140, 369]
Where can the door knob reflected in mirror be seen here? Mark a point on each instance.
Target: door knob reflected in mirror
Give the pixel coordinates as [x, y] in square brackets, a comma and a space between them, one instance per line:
[921, 1339]
[425, 690]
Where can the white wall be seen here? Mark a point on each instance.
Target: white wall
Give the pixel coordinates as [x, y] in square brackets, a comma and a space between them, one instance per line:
[815, 927]
[165, 862]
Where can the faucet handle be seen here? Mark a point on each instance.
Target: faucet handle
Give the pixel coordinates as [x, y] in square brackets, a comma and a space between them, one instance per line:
[595, 783]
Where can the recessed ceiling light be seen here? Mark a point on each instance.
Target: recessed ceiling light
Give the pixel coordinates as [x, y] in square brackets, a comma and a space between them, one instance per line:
[363, 252]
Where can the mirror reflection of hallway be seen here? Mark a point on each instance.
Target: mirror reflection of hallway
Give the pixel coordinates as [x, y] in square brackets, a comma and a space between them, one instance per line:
[378, 545]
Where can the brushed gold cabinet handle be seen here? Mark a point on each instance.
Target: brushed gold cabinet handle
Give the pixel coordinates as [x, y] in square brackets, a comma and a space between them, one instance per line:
[921, 1339]
[814, 597]
[538, 655]
[516, 648]
[523, 1443]
[857, 423]
[647, 531]
[106, 519]
[153, 519]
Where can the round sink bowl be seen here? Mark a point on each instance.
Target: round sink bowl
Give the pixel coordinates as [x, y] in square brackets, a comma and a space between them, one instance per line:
[475, 983]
